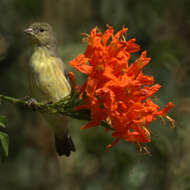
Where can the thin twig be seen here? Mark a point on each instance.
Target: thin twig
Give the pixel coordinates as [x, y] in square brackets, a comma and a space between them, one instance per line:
[64, 106]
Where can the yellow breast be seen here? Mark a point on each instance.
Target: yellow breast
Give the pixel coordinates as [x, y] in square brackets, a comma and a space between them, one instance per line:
[47, 79]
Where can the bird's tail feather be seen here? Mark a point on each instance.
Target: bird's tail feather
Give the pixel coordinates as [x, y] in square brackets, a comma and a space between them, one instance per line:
[64, 146]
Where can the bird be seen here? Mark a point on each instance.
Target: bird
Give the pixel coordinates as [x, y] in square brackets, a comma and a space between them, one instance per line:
[49, 82]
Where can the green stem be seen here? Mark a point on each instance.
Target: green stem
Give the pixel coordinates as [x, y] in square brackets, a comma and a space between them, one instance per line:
[12, 100]
[65, 106]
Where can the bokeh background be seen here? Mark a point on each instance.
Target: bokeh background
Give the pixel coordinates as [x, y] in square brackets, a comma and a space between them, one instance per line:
[163, 29]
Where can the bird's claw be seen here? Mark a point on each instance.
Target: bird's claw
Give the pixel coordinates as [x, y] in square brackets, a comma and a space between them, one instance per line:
[31, 103]
[25, 98]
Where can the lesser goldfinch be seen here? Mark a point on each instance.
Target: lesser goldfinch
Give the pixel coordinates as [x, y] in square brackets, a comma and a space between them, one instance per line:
[48, 81]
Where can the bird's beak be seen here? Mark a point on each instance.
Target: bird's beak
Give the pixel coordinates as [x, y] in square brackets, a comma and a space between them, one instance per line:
[29, 31]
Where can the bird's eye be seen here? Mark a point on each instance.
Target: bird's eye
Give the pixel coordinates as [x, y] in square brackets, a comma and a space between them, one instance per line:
[42, 30]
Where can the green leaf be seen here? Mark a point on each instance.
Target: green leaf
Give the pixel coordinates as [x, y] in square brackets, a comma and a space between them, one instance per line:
[3, 121]
[4, 138]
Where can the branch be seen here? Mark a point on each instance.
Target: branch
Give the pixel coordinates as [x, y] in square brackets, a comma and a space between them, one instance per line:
[64, 106]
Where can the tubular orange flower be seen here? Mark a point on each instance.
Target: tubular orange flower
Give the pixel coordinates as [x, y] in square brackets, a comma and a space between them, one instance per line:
[116, 92]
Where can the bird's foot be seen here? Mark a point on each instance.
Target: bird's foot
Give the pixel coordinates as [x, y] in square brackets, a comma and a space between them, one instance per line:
[31, 103]
[25, 98]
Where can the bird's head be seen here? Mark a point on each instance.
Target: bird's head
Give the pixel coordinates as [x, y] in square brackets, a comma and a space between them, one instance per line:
[41, 34]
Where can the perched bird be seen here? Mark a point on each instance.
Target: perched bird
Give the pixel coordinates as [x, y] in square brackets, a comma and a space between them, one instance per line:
[48, 81]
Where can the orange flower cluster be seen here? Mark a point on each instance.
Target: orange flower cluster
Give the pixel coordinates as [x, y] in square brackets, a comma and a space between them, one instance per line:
[118, 92]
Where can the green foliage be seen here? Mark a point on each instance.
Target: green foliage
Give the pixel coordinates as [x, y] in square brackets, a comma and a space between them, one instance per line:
[4, 139]
[3, 121]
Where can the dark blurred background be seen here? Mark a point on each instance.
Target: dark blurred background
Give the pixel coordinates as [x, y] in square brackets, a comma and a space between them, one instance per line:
[163, 29]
